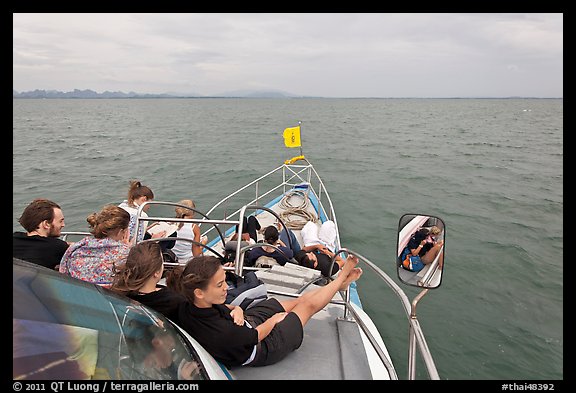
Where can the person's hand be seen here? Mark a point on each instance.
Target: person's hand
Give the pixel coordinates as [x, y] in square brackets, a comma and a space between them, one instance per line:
[238, 314]
[188, 369]
[126, 238]
[278, 317]
[423, 242]
[159, 234]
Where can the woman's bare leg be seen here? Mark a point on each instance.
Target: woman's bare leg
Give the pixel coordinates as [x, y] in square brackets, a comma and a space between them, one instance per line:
[313, 301]
[431, 254]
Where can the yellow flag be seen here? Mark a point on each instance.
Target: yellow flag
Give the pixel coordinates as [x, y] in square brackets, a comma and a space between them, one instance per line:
[292, 137]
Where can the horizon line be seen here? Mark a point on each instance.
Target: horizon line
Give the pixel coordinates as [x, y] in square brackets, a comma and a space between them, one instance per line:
[274, 94]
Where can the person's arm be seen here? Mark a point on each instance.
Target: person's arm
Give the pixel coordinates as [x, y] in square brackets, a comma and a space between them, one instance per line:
[196, 249]
[266, 327]
[416, 251]
[313, 247]
[237, 313]
[282, 255]
[324, 250]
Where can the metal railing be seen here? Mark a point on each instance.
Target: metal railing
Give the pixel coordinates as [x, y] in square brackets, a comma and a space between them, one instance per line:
[65, 234]
[291, 176]
[416, 335]
[434, 266]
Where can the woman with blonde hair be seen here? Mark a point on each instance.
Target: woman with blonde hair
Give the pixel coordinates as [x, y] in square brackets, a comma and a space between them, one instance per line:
[93, 258]
[185, 250]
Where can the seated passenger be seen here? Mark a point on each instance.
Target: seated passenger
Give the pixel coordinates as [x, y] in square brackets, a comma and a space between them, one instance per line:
[43, 221]
[137, 195]
[271, 237]
[263, 334]
[250, 228]
[285, 234]
[185, 250]
[93, 259]
[422, 249]
[138, 279]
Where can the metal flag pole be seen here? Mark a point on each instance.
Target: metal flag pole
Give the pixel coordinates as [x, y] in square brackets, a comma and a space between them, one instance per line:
[300, 127]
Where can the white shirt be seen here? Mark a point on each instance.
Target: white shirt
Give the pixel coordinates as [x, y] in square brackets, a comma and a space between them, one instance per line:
[183, 249]
[133, 213]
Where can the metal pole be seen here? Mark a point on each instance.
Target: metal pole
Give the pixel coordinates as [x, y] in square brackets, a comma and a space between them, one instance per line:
[411, 354]
[412, 338]
[300, 126]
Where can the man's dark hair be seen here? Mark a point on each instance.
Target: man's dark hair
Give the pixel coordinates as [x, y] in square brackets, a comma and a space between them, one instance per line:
[36, 212]
[271, 234]
[302, 258]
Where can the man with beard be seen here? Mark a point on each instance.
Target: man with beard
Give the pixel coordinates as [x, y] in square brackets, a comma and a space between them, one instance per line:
[43, 221]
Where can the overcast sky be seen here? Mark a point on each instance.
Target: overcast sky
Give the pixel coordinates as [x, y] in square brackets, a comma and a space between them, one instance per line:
[329, 55]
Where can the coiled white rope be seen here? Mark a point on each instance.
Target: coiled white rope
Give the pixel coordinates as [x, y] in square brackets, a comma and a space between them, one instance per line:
[300, 211]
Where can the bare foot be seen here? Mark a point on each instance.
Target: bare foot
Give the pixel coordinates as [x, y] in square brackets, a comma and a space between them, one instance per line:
[350, 264]
[353, 276]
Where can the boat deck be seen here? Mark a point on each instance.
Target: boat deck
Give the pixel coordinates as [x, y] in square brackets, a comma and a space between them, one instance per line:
[332, 349]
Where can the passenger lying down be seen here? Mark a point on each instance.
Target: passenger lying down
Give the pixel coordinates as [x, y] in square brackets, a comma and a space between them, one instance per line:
[319, 247]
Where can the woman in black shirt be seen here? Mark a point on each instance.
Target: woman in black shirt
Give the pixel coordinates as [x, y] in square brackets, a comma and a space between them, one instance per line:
[139, 276]
[264, 333]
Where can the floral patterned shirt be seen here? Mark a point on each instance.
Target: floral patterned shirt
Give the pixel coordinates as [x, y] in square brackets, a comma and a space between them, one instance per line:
[92, 260]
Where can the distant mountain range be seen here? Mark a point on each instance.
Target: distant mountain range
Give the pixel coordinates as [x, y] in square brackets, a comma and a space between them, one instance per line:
[76, 93]
[118, 94]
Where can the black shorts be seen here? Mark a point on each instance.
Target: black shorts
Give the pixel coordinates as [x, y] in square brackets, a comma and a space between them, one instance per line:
[284, 338]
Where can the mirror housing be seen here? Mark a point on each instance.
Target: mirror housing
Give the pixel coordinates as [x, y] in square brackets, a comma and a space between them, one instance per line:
[420, 250]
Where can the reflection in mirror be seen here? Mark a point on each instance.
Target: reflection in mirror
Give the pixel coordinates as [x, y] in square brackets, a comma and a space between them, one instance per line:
[420, 251]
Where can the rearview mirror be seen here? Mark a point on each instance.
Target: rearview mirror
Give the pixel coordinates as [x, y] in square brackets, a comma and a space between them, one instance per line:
[420, 250]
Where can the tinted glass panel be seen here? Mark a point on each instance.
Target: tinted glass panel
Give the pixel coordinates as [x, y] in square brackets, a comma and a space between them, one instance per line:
[67, 329]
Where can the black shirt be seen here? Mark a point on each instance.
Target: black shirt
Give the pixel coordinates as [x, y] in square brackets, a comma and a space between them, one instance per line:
[256, 253]
[414, 243]
[45, 251]
[215, 330]
[324, 262]
[164, 300]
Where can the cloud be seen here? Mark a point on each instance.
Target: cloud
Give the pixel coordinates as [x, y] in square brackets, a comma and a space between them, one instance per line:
[308, 54]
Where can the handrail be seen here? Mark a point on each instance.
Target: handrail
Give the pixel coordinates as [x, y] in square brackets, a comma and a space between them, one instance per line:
[186, 239]
[64, 235]
[415, 329]
[431, 270]
[300, 173]
[242, 189]
[389, 366]
[205, 218]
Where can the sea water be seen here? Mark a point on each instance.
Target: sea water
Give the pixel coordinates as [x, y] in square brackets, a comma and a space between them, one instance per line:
[491, 168]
